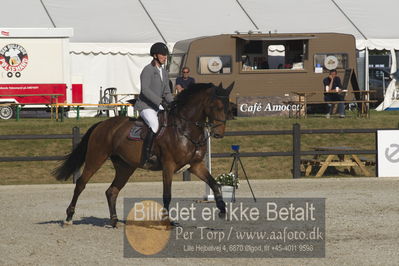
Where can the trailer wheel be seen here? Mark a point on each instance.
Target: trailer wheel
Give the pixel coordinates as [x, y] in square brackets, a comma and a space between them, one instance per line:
[6, 112]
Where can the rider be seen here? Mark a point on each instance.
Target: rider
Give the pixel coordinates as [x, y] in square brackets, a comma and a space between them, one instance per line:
[155, 94]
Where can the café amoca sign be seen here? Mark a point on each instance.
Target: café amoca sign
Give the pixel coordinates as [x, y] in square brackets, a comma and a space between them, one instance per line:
[266, 106]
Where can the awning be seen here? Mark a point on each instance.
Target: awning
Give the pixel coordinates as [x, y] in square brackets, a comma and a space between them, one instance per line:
[253, 37]
[378, 44]
[113, 48]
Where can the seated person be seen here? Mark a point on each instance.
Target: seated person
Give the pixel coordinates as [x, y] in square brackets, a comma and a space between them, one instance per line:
[332, 84]
[184, 81]
[264, 64]
[246, 62]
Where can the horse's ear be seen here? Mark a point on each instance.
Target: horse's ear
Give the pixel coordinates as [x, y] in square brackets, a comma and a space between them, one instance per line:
[220, 85]
[230, 88]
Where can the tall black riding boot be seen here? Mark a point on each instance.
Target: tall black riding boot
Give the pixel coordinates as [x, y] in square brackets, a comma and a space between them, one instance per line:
[147, 145]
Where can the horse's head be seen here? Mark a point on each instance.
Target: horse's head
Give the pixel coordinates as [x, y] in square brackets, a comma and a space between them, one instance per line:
[218, 110]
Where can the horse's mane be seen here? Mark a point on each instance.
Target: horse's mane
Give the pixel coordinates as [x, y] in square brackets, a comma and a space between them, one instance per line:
[195, 88]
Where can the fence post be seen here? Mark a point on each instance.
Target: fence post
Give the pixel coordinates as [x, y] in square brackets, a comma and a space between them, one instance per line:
[376, 153]
[18, 112]
[77, 112]
[208, 162]
[75, 142]
[186, 176]
[62, 114]
[296, 151]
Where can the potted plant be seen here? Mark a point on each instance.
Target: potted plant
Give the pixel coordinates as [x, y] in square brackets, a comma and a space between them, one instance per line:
[228, 182]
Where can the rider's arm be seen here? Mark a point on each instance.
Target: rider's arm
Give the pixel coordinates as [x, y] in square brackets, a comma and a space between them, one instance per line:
[339, 84]
[145, 78]
[167, 95]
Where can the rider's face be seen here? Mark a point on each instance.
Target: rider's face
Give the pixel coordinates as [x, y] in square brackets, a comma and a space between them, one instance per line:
[161, 58]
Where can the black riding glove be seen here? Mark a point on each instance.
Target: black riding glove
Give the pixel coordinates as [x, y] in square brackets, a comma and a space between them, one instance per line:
[165, 105]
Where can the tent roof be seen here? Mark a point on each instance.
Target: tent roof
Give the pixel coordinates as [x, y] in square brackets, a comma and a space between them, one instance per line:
[116, 21]
[376, 19]
[148, 21]
[24, 14]
[314, 16]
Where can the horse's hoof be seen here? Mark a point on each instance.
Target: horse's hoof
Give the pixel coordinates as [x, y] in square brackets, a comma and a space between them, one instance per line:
[66, 223]
[222, 215]
[175, 224]
[114, 223]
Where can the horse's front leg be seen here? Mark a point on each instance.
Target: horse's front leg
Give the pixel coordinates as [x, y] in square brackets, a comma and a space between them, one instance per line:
[168, 169]
[167, 174]
[202, 172]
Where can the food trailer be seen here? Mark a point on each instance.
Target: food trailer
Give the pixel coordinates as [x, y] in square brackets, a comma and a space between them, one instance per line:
[266, 65]
[34, 69]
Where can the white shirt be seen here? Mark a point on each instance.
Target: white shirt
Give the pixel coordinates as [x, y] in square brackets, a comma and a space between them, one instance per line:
[160, 72]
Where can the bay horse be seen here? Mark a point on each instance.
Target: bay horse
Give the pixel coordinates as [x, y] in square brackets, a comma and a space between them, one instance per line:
[182, 142]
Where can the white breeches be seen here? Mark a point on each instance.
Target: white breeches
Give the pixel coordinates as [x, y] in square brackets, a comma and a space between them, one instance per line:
[150, 116]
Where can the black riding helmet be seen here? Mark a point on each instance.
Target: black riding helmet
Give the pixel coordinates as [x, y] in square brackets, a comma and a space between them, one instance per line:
[159, 48]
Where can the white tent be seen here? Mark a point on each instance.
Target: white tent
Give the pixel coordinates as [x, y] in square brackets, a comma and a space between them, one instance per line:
[392, 94]
[112, 38]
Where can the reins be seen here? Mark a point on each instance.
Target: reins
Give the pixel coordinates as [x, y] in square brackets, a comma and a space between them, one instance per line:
[200, 125]
[210, 125]
[203, 124]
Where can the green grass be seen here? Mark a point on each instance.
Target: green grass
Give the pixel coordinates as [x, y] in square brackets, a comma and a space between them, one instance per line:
[272, 167]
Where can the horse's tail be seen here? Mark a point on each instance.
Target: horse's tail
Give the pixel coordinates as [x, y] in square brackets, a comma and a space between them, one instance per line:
[74, 160]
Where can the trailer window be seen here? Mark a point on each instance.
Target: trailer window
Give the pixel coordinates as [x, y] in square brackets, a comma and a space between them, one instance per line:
[331, 61]
[214, 64]
[175, 64]
[275, 56]
[284, 54]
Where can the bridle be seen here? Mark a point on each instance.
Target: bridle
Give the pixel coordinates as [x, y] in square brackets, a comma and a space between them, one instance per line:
[210, 125]
[225, 100]
[203, 125]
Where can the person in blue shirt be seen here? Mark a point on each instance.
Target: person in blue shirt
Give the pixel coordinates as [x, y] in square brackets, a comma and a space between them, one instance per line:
[333, 87]
[184, 81]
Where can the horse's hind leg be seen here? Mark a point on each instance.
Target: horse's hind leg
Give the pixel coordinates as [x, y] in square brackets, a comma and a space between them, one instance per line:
[123, 172]
[91, 166]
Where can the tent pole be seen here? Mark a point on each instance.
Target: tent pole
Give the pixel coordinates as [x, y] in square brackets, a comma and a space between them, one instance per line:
[48, 14]
[246, 13]
[349, 19]
[366, 74]
[153, 22]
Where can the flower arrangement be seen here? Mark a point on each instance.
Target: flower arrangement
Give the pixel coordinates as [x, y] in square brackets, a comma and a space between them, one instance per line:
[227, 180]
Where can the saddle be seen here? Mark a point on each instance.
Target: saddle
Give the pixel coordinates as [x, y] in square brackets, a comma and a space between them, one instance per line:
[139, 130]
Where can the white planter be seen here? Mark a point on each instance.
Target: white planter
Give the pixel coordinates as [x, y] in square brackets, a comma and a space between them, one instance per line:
[227, 193]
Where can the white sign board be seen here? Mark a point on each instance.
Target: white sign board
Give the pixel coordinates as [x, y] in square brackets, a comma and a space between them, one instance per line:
[388, 153]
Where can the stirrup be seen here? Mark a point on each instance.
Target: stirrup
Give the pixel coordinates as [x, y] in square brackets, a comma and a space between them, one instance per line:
[150, 162]
[184, 168]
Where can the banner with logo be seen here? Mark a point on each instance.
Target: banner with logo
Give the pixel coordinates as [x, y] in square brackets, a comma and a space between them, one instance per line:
[29, 61]
[33, 66]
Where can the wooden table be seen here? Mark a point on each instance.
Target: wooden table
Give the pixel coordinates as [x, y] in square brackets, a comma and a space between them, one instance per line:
[123, 96]
[53, 101]
[336, 159]
[51, 95]
[109, 106]
[302, 99]
[360, 97]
